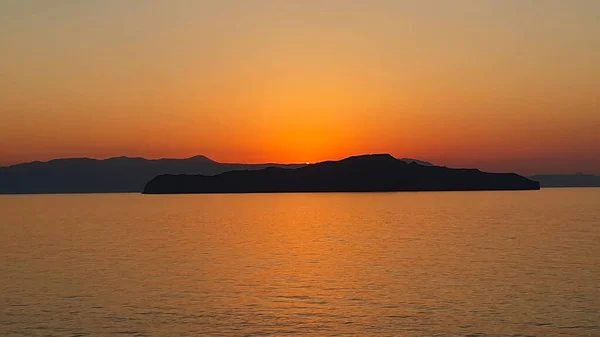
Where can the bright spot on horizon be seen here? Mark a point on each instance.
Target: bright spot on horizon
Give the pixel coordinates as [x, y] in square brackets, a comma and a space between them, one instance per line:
[307, 163]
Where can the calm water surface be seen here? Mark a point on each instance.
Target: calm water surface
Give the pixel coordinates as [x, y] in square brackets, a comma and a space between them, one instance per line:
[381, 264]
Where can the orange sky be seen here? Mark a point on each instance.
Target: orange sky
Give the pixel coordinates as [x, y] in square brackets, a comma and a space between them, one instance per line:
[499, 85]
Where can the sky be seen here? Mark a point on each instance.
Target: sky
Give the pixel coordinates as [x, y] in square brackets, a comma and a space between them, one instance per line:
[511, 85]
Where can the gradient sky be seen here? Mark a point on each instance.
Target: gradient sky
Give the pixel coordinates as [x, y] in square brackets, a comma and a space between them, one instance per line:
[499, 85]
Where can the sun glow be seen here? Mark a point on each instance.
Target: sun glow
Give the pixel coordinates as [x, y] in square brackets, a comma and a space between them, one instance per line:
[305, 81]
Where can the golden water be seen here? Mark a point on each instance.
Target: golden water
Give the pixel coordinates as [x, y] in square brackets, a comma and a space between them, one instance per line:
[356, 264]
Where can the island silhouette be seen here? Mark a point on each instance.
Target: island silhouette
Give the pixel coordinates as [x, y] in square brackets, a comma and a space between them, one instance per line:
[365, 173]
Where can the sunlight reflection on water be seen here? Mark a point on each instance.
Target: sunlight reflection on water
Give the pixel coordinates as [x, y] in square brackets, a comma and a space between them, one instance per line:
[385, 264]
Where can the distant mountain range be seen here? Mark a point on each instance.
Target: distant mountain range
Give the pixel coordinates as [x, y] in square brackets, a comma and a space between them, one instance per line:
[126, 174]
[367, 173]
[567, 180]
[120, 174]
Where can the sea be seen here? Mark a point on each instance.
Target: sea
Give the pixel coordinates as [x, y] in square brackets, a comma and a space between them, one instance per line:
[331, 264]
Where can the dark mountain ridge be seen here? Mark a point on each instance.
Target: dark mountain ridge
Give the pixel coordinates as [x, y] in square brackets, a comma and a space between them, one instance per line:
[118, 174]
[367, 173]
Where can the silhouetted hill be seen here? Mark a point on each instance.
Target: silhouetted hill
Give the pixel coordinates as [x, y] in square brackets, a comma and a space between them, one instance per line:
[368, 173]
[120, 174]
[567, 180]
